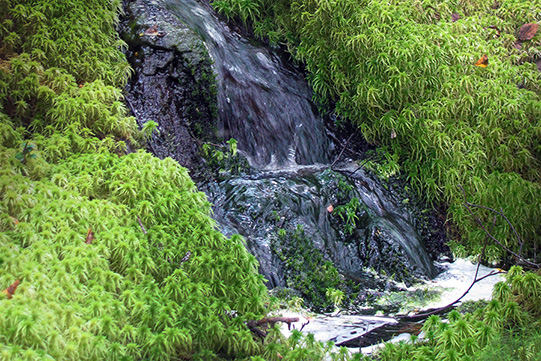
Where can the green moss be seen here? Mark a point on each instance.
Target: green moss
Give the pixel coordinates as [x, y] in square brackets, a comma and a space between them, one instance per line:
[116, 254]
[306, 269]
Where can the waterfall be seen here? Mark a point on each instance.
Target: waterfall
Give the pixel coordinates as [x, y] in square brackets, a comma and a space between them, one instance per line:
[265, 104]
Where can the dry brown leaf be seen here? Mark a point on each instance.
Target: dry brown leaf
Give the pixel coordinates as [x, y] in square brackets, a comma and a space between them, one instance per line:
[153, 30]
[330, 208]
[527, 31]
[11, 289]
[495, 5]
[393, 134]
[89, 236]
[482, 62]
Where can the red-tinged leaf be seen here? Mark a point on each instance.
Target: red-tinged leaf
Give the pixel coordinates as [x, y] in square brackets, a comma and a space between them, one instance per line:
[15, 220]
[330, 208]
[495, 5]
[89, 236]
[482, 62]
[527, 31]
[518, 45]
[455, 17]
[11, 289]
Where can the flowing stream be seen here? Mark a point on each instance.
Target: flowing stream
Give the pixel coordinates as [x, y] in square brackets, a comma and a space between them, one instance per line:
[265, 104]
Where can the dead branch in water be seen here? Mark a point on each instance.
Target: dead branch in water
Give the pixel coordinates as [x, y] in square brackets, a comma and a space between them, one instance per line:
[489, 236]
[269, 322]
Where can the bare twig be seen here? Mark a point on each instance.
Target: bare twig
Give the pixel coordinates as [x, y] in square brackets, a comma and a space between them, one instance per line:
[271, 321]
[141, 225]
[343, 149]
[478, 221]
[495, 211]
[475, 280]
[130, 106]
[304, 324]
[442, 309]
[268, 322]
[363, 162]
[480, 259]
[186, 257]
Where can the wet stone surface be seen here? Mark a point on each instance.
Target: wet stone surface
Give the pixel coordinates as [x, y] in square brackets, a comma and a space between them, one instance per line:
[173, 83]
[369, 237]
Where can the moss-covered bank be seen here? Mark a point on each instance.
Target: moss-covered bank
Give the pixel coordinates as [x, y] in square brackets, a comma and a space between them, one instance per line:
[109, 255]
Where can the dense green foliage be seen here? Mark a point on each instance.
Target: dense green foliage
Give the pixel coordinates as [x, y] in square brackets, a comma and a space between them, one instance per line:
[403, 71]
[116, 254]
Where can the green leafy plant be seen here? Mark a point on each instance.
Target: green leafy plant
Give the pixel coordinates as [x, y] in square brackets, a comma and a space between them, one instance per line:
[306, 270]
[335, 296]
[150, 127]
[26, 152]
[350, 214]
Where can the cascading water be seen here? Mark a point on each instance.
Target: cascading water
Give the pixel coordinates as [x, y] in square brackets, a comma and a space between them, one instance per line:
[265, 104]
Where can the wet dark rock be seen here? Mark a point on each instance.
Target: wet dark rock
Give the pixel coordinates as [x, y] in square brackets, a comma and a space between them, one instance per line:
[265, 104]
[383, 240]
[173, 83]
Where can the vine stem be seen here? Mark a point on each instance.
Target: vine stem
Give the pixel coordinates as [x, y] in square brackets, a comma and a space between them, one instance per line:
[478, 221]
[343, 149]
